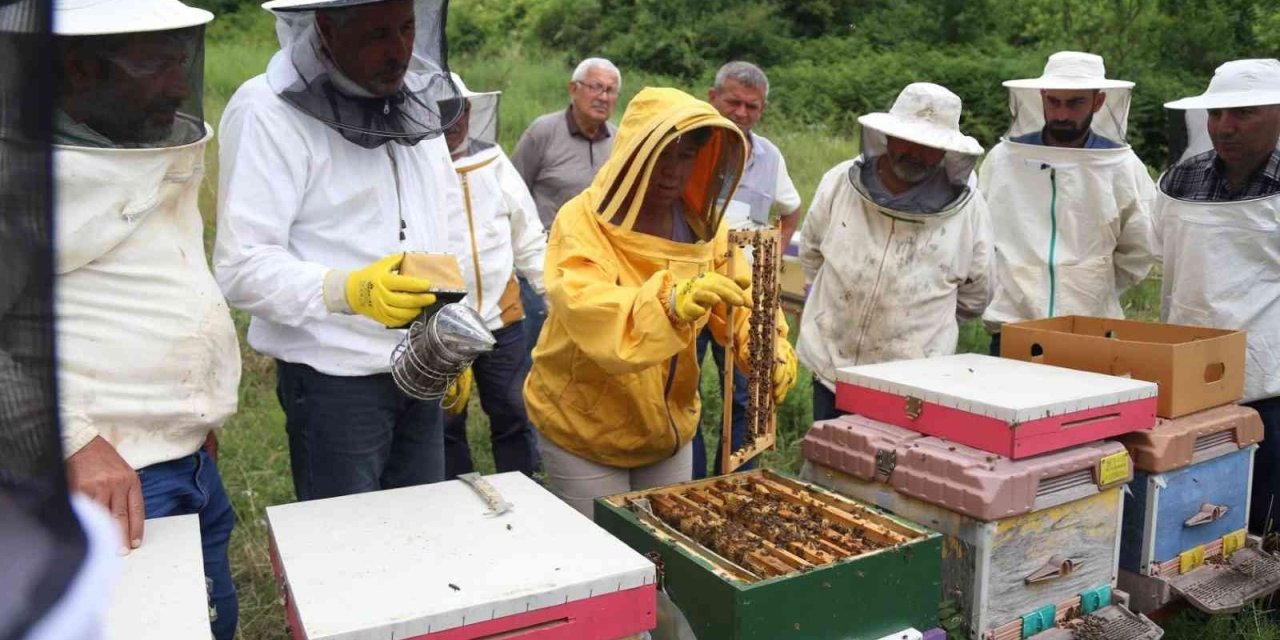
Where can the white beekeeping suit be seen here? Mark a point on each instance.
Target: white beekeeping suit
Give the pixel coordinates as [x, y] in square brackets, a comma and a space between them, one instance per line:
[892, 274]
[1221, 256]
[501, 230]
[148, 357]
[317, 179]
[1072, 225]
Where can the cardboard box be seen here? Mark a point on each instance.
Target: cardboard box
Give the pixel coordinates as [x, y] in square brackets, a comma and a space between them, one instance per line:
[1196, 367]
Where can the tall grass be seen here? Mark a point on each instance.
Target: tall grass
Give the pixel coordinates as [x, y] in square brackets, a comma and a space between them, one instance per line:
[254, 457]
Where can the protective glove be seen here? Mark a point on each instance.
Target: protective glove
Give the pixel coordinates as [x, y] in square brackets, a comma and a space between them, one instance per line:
[459, 393]
[694, 297]
[784, 369]
[380, 292]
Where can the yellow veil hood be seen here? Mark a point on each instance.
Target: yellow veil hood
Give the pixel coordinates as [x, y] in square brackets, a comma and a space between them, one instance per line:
[655, 118]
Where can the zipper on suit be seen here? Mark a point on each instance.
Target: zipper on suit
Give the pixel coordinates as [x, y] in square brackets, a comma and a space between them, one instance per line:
[395, 173]
[666, 403]
[471, 226]
[1053, 237]
[875, 291]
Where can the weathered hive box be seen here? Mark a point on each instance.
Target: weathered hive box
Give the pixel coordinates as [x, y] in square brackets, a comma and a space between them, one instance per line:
[430, 563]
[1187, 512]
[161, 593]
[1008, 407]
[1196, 367]
[759, 556]
[1029, 543]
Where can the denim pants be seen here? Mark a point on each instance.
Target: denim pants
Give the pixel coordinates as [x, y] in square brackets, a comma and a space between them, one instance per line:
[1264, 507]
[192, 485]
[352, 434]
[535, 313]
[739, 425]
[824, 402]
[994, 349]
[499, 377]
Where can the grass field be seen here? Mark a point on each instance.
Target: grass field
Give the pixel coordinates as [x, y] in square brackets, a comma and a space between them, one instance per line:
[254, 457]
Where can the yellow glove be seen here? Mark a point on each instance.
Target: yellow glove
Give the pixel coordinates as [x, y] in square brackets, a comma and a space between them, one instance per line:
[380, 292]
[694, 297]
[784, 370]
[459, 393]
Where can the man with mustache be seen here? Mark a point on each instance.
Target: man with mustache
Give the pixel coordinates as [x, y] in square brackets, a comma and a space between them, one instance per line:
[897, 245]
[1217, 218]
[148, 362]
[1070, 201]
[559, 154]
[332, 167]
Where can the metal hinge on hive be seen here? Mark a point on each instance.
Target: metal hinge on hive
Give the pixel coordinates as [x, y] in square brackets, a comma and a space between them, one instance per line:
[915, 406]
[886, 460]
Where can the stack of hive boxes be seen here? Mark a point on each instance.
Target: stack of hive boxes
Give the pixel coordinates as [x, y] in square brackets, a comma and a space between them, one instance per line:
[1009, 461]
[1187, 510]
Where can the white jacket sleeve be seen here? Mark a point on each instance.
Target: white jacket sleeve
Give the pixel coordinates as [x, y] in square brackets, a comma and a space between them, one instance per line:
[263, 174]
[1135, 247]
[815, 224]
[974, 294]
[528, 238]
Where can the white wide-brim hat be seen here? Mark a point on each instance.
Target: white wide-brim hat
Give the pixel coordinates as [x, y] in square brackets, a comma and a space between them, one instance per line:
[468, 93]
[1239, 83]
[105, 17]
[1071, 70]
[927, 114]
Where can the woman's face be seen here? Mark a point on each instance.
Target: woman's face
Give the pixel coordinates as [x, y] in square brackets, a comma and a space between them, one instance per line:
[671, 171]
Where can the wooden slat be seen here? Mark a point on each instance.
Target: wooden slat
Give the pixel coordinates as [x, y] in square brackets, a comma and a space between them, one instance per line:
[840, 503]
[860, 524]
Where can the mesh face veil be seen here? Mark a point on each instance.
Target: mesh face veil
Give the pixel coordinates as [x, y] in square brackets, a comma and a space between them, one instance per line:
[692, 172]
[129, 85]
[474, 117]
[1072, 98]
[376, 72]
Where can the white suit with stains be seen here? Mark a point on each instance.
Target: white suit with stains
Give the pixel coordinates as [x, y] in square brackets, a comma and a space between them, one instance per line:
[887, 288]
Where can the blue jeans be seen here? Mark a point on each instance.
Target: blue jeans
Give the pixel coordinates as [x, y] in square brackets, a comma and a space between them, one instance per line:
[535, 313]
[191, 485]
[1264, 505]
[739, 425]
[352, 434]
[824, 402]
[994, 349]
[499, 377]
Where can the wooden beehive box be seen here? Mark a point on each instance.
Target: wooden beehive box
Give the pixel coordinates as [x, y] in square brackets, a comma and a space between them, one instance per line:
[1188, 510]
[430, 563]
[1029, 543]
[856, 573]
[161, 594]
[1012, 408]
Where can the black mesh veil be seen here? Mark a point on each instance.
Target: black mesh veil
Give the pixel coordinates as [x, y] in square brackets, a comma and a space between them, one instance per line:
[130, 90]
[304, 73]
[41, 542]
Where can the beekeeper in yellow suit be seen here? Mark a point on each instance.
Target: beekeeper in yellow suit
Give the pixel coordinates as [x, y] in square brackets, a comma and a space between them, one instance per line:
[637, 265]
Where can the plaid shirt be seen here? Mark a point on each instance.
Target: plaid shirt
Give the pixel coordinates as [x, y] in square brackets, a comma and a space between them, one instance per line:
[1201, 178]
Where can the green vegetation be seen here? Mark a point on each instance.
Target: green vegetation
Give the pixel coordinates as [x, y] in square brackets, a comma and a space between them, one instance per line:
[829, 61]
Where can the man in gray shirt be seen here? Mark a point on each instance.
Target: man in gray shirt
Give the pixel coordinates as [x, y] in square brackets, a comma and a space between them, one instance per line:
[559, 154]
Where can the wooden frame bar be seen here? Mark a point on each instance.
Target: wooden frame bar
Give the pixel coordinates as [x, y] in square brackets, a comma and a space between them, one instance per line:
[767, 437]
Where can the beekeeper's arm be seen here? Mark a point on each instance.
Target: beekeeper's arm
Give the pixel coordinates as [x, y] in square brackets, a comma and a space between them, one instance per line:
[621, 328]
[528, 238]
[974, 294]
[815, 225]
[1135, 246]
[263, 172]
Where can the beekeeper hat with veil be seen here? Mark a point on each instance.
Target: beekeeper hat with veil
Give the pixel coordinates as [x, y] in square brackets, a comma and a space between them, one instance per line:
[324, 68]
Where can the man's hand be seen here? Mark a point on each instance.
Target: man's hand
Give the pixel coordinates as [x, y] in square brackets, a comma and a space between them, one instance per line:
[98, 471]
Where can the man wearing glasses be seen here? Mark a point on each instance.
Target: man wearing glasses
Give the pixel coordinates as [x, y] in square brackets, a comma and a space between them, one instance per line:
[559, 154]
